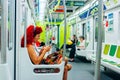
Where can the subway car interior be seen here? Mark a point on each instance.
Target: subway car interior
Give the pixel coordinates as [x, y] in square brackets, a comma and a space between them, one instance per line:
[59, 40]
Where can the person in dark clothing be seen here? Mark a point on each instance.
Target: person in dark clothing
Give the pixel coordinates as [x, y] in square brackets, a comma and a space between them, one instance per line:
[73, 48]
[72, 52]
[75, 40]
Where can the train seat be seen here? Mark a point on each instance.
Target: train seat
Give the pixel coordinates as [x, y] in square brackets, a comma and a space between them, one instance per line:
[105, 51]
[88, 51]
[29, 71]
[110, 57]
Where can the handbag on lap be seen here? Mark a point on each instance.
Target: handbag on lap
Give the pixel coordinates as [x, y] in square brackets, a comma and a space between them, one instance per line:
[54, 58]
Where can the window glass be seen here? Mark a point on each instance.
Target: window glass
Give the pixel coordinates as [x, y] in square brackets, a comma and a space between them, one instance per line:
[24, 21]
[0, 33]
[0, 30]
[119, 28]
[96, 31]
[0, 25]
[10, 29]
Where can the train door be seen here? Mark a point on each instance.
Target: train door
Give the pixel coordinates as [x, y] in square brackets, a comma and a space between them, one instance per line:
[10, 33]
[84, 32]
[6, 39]
[21, 24]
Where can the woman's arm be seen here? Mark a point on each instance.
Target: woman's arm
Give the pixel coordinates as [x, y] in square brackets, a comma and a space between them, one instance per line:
[81, 45]
[37, 59]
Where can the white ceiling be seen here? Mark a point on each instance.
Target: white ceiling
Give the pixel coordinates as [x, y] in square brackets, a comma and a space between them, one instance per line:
[42, 9]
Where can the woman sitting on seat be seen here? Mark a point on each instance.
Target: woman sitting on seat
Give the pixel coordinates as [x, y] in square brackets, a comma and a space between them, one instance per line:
[81, 46]
[33, 34]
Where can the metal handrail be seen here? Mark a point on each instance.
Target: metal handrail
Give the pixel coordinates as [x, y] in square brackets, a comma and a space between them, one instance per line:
[99, 44]
[65, 28]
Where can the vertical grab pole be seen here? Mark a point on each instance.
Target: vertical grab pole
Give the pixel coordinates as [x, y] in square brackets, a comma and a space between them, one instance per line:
[47, 24]
[99, 44]
[76, 28]
[51, 22]
[51, 26]
[47, 31]
[65, 29]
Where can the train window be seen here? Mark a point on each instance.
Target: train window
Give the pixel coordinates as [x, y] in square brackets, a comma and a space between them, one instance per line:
[119, 27]
[96, 31]
[0, 32]
[0, 25]
[24, 20]
[10, 29]
[84, 29]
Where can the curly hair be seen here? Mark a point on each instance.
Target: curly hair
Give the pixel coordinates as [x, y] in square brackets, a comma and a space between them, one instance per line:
[31, 32]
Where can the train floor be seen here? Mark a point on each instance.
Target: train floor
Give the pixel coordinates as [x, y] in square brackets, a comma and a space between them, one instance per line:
[84, 70]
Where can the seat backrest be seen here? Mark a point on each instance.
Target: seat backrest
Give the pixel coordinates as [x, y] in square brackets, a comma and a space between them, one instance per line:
[27, 69]
[118, 52]
[106, 49]
[88, 46]
[111, 52]
[113, 49]
[117, 56]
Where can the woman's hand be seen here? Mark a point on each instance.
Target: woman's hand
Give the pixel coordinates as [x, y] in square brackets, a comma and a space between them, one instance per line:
[42, 50]
[47, 48]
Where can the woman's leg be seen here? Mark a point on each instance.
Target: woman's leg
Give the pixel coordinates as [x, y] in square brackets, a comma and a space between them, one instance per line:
[66, 69]
[65, 73]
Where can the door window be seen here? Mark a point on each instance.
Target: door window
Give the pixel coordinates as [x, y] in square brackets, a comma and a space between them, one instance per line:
[10, 26]
[96, 31]
[0, 29]
[119, 27]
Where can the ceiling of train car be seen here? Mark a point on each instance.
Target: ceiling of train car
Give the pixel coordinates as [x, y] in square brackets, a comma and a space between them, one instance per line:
[58, 14]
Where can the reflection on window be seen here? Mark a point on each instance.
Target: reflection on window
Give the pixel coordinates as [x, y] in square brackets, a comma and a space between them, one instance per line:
[0, 25]
[96, 31]
[0, 31]
[10, 31]
[0, 34]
